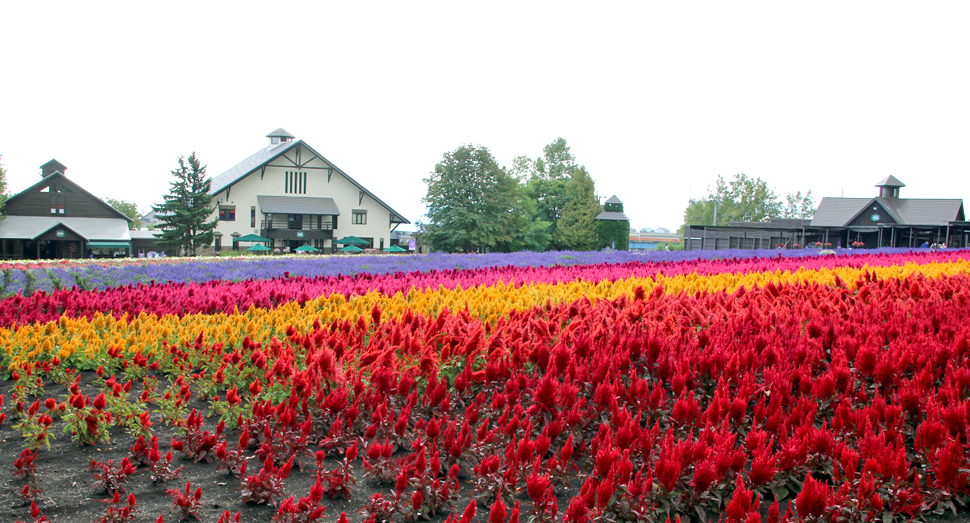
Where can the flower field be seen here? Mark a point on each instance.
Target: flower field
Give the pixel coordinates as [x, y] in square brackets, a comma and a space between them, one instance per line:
[599, 387]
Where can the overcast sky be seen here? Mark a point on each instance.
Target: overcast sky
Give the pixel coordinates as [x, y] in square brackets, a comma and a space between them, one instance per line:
[655, 99]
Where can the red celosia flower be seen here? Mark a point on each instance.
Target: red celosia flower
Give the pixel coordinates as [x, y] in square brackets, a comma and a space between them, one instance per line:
[740, 502]
[469, 513]
[813, 498]
[498, 512]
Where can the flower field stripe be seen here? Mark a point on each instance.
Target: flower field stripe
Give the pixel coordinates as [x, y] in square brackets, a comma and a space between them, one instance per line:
[103, 273]
[223, 296]
[143, 333]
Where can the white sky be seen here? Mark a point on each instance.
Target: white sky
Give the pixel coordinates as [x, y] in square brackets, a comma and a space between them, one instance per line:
[656, 99]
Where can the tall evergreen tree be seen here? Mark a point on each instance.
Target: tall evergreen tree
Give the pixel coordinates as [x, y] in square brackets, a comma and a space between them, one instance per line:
[184, 214]
[577, 225]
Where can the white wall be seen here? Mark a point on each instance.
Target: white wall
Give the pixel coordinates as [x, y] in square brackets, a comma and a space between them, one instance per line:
[345, 194]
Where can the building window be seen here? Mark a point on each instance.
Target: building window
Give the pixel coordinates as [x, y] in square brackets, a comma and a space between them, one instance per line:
[295, 182]
[227, 214]
[218, 244]
[295, 221]
[57, 204]
[252, 216]
[359, 217]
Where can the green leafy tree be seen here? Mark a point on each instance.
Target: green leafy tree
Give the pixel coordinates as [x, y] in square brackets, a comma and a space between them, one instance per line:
[129, 209]
[798, 206]
[184, 214]
[3, 189]
[742, 199]
[577, 225]
[474, 205]
[548, 178]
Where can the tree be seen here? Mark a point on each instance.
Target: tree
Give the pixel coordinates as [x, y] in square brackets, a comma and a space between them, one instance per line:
[185, 210]
[3, 189]
[474, 205]
[798, 206]
[742, 199]
[548, 178]
[577, 225]
[129, 209]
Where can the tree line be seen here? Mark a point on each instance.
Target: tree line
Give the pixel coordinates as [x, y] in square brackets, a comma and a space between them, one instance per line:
[476, 205]
[745, 199]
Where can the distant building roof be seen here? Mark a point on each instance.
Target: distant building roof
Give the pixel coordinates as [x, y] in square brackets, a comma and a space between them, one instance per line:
[144, 235]
[890, 181]
[281, 133]
[247, 166]
[614, 216]
[60, 176]
[268, 154]
[615, 200]
[31, 227]
[51, 167]
[297, 205]
[839, 212]
[774, 223]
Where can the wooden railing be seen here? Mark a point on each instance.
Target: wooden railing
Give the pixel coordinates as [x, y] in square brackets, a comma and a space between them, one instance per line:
[305, 225]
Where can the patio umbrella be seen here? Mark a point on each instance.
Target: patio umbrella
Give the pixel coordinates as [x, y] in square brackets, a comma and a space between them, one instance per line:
[395, 248]
[307, 248]
[352, 240]
[258, 247]
[351, 248]
[253, 238]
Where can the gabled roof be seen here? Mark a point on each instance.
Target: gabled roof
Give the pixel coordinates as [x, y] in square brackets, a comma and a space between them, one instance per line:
[281, 133]
[54, 165]
[839, 212]
[890, 181]
[249, 166]
[267, 155]
[924, 211]
[30, 227]
[64, 179]
[614, 216]
[614, 199]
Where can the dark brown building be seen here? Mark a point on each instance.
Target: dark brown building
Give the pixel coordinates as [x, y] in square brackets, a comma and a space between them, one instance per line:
[885, 220]
[57, 218]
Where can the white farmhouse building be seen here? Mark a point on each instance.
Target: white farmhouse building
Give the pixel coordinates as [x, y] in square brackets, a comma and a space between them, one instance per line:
[292, 195]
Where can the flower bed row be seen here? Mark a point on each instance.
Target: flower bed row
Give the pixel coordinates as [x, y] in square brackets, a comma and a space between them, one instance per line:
[226, 296]
[580, 396]
[25, 277]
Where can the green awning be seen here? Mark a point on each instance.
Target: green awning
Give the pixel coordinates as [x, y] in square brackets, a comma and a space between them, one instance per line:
[108, 245]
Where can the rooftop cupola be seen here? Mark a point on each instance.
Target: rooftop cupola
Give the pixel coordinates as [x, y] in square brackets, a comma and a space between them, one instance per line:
[52, 167]
[279, 136]
[889, 187]
[613, 205]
